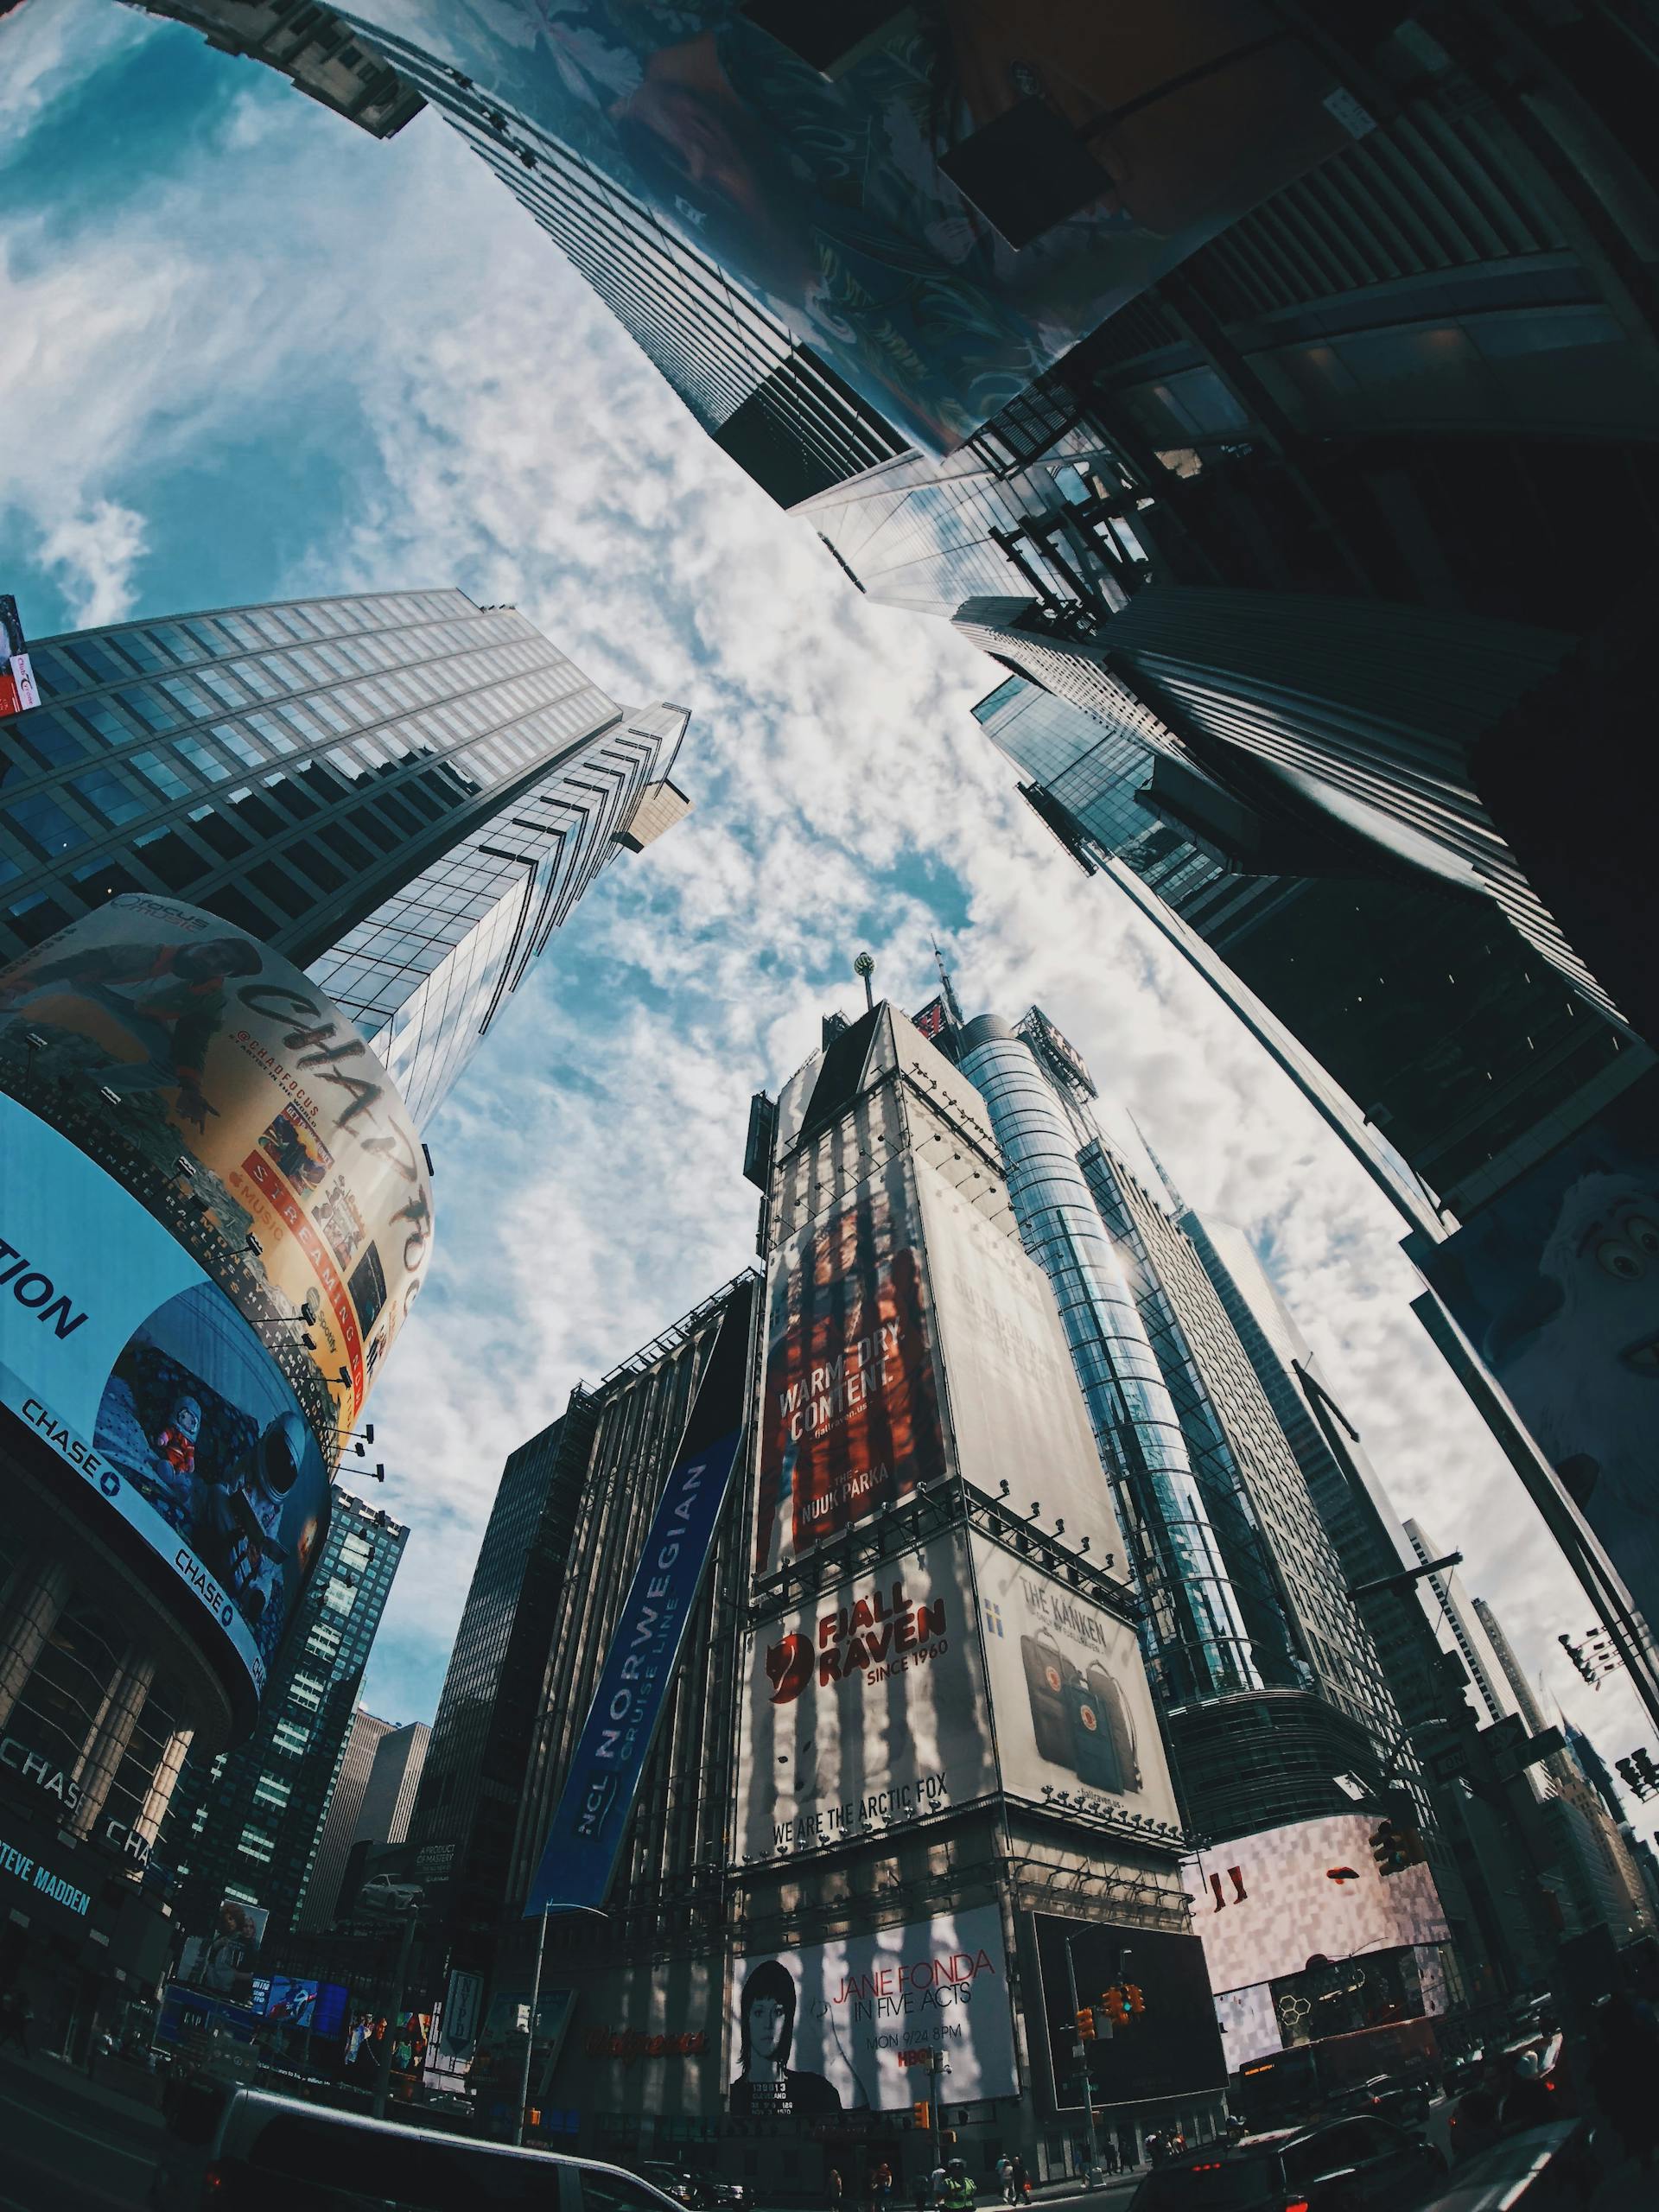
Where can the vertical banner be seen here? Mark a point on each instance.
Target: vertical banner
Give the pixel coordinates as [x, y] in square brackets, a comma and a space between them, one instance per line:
[851, 1422]
[585, 1836]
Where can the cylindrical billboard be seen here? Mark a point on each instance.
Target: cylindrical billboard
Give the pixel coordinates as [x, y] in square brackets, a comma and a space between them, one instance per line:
[208, 1074]
[200, 1153]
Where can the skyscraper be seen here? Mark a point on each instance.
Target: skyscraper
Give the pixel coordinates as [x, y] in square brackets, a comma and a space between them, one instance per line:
[340, 1821]
[314, 49]
[248, 1823]
[1423, 1017]
[404, 793]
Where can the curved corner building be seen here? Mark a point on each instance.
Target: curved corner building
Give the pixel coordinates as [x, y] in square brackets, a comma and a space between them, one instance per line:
[1134, 1416]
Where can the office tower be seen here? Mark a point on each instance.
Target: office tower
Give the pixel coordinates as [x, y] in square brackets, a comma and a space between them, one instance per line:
[1208, 1485]
[1421, 1016]
[339, 1823]
[404, 794]
[467, 1807]
[1232, 456]
[315, 50]
[248, 1823]
[1462, 1073]
[1526, 1700]
[1462, 1623]
[394, 1780]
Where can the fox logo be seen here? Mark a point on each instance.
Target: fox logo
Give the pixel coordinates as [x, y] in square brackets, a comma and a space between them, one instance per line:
[789, 1668]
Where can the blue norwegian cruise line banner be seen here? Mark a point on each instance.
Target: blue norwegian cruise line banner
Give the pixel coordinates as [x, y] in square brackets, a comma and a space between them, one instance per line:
[585, 1837]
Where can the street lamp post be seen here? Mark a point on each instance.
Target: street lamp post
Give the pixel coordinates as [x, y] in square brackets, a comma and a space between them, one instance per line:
[1095, 2173]
[530, 2030]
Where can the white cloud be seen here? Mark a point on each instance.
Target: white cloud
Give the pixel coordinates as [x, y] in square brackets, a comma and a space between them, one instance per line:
[512, 441]
[98, 549]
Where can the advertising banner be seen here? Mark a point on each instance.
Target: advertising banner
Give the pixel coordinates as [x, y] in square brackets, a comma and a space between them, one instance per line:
[865, 1706]
[18, 689]
[147, 1396]
[1073, 1708]
[463, 2004]
[1171, 2046]
[1555, 1282]
[1016, 1411]
[591, 1818]
[1268, 1904]
[223, 1963]
[850, 1409]
[854, 2026]
[1092, 148]
[154, 1035]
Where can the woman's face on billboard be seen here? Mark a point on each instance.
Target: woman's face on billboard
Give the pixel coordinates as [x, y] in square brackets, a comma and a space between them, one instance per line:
[766, 2021]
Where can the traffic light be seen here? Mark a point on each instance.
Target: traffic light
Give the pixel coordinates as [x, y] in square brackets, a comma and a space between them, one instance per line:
[1112, 2005]
[1137, 2003]
[1086, 2023]
[1389, 1848]
[1639, 1775]
[921, 2115]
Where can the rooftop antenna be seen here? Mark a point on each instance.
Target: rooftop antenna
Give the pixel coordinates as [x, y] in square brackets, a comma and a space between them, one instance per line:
[952, 1006]
[864, 968]
[1174, 1197]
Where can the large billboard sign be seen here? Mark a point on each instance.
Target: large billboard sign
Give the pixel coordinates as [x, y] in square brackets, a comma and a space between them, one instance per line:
[17, 686]
[1074, 1713]
[1016, 1413]
[238, 1106]
[585, 1837]
[1171, 2048]
[941, 208]
[146, 1400]
[1555, 1282]
[850, 1421]
[855, 2026]
[1268, 1904]
[865, 1706]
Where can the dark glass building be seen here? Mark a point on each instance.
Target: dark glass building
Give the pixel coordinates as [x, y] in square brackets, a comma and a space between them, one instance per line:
[564, 1532]
[248, 1823]
[404, 793]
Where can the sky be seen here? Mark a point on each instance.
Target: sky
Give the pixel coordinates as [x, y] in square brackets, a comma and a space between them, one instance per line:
[249, 352]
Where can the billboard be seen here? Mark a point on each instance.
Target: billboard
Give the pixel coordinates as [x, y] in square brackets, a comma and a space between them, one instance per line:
[239, 1107]
[143, 1396]
[1016, 1413]
[1091, 150]
[850, 1411]
[1171, 2048]
[222, 1964]
[1268, 1904]
[17, 686]
[854, 2026]
[865, 1706]
[1074, 1712]
[1555, 1282]
[584, 1838]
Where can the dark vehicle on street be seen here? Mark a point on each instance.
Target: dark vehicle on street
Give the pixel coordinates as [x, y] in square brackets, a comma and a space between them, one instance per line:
[1346, 2165]
[270, 2154]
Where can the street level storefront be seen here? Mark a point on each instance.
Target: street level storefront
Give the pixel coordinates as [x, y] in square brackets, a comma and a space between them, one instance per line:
[82, 1934]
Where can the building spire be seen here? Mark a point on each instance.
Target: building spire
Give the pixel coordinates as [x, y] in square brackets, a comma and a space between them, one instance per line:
[952, 1006]
[1174, 1197]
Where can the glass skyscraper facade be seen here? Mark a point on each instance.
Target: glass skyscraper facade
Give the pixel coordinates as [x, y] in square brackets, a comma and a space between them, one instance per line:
[248, 1823]
[403, 792]
[1193, 1449]
[1424, 1019]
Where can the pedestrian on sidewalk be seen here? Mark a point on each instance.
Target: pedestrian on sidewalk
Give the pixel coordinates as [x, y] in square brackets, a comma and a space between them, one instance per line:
[1021, 2181]
[17, 2017]
[834, 2186]
[1005, 2175]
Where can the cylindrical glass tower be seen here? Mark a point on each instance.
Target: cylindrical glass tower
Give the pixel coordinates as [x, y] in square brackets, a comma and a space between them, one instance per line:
[1135, 1419]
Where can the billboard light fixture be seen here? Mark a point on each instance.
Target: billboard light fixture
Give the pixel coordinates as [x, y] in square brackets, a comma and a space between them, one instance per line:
[185, 1168]
[33, 1040]
[251, 1243]
[110, 1096]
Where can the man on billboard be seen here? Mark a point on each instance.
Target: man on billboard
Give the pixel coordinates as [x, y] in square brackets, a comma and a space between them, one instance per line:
[766, 2082]
[224, 1962]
